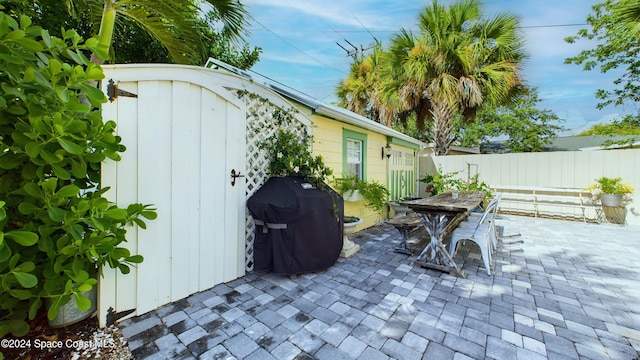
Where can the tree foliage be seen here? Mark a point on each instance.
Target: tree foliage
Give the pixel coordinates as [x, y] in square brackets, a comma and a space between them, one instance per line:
[617, 48]
[189, 37]
[628, 14]
[57, 230]
[528, 129]
[628, 125]
[458, 62]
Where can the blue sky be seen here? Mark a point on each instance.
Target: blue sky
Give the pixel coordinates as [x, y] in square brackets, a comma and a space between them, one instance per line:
[299, 41]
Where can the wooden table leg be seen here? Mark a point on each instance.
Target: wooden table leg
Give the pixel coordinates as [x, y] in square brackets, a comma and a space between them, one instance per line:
[434, 255]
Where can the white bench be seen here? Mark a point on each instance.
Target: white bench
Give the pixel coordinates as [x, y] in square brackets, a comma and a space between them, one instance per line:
[549, 202]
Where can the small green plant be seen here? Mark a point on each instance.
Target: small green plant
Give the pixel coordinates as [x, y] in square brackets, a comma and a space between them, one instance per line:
[611, 186]
[351, 219]
[474, 184]
[440, 183]
[375, 194]
[290, 155]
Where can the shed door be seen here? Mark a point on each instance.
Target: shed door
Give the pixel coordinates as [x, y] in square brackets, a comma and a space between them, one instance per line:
[183, 141]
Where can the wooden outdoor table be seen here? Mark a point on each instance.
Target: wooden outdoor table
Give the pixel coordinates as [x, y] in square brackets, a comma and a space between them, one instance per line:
[440, 215]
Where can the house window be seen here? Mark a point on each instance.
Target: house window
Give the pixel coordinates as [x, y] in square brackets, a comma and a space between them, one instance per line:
[397, 157]
[354, 154]
[354, 157]
[408, 159]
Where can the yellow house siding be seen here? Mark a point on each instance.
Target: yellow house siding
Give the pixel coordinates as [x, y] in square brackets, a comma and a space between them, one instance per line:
[327, 141]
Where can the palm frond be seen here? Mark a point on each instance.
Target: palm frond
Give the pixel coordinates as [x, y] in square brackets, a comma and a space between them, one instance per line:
[232, 14]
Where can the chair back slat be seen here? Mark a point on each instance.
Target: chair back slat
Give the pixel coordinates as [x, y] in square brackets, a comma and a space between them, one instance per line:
[489, 212]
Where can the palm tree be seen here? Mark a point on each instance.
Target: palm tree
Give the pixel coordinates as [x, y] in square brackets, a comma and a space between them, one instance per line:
[171, 22]
[458, 62]
[628, 14]
[358, 88]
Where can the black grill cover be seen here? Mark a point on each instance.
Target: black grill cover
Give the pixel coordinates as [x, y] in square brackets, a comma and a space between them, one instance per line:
[302, 229]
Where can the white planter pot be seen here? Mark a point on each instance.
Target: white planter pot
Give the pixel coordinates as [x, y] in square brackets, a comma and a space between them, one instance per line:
[615, 214]
[399, 210]
[352, 195]
[612, 200]
[349, 247]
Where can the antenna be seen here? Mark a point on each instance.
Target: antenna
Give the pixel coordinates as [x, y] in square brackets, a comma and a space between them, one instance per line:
[357, 51]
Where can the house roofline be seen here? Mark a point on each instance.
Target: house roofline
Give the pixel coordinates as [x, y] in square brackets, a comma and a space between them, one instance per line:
[456, 148]
[319, 107]
[344, 115]
[611, 147]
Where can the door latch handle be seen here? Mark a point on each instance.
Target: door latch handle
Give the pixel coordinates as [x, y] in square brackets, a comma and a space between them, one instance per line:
[234, 176]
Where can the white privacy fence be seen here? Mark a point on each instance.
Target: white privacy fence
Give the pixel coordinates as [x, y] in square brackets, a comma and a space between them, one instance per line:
[565, 169]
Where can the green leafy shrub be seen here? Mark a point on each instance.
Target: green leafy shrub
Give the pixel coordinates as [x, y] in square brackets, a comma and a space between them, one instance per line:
[57, 230]
[290, 155]
[611, 186]
[375, 194]
[440, 182]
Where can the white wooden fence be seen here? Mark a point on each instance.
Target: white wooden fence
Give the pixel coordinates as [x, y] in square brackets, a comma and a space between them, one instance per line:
[565, 169]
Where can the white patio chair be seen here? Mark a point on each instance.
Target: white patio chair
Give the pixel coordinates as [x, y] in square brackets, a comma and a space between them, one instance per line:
[480, 234]
[474, 217]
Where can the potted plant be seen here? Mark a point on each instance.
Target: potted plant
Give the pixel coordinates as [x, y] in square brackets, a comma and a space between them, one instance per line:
[349, 247]
[441, 182]
[373, 193]
[398, 207]
[611, 191]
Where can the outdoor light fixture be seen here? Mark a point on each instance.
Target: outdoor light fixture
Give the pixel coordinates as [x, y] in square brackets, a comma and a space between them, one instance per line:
[386, 151]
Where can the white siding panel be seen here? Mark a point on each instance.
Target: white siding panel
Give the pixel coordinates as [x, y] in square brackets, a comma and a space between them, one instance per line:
[211, 256]
[185, 186]
[127, 194]
[555, 169]
[154, 187]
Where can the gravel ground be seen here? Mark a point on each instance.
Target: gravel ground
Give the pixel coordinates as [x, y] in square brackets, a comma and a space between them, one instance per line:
[84, 340]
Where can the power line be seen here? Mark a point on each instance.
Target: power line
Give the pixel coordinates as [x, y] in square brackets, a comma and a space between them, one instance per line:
[354, 53]
[298, 49]
[393, 31]
[549, 26]
[364, 27]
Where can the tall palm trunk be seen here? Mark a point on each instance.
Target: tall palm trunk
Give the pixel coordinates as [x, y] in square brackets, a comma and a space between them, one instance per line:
[442, 113]
[105, 36]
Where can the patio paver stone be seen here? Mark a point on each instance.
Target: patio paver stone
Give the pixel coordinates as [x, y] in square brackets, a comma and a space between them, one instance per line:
[561, 290]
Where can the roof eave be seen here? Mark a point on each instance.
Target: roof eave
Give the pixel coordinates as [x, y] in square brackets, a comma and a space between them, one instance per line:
[352, 118]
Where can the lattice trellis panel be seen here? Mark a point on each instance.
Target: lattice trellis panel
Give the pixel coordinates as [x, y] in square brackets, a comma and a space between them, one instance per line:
[260, 126]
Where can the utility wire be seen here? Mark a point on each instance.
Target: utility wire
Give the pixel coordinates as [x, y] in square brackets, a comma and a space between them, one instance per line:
[298, 49]
[549, 26]
[364, 27]
[393, 31]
